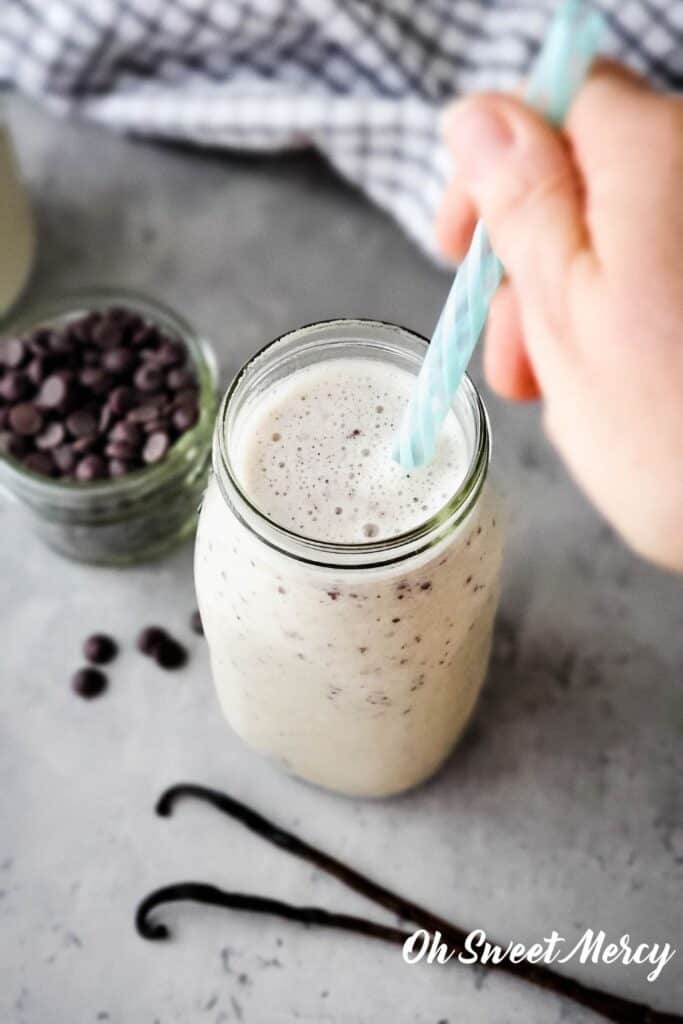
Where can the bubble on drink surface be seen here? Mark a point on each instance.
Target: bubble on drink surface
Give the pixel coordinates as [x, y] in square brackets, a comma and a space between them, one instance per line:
[315, 448]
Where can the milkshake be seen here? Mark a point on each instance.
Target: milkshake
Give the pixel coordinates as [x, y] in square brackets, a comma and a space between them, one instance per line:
[348, 604]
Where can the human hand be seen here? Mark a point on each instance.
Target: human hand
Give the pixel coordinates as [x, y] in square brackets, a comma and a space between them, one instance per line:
[588, 223]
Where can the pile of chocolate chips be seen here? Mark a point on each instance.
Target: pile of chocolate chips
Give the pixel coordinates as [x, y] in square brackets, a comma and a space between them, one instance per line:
[96, 397]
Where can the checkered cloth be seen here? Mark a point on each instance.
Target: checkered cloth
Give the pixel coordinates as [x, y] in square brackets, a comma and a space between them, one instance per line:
[360, 80]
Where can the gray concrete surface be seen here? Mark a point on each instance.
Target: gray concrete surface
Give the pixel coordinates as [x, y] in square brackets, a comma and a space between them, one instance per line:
[563, 807]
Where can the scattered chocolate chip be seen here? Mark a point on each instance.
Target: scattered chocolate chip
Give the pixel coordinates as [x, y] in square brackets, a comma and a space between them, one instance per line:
[99, 649]
[196, 623]
[89, 682]
[25, 419]
[170, 654]
[150, 639]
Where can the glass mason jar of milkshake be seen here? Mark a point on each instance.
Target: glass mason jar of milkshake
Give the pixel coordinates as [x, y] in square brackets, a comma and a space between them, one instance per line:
[348, 605]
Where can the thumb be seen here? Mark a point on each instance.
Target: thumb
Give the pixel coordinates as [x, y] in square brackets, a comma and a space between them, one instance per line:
[519, 172]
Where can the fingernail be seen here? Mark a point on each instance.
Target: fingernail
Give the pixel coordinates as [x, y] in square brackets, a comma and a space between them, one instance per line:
[479, 137]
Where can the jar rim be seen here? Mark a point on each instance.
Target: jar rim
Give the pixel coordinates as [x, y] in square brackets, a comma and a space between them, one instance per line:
[360, 554]
[22, 482]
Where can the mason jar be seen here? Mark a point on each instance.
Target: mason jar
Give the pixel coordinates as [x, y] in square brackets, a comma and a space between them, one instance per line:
[140, 515]
[17, 250]
[353, 666]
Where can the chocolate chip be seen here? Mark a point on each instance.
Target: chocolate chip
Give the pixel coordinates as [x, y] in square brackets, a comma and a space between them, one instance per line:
[128, 432]
[64, 458]
[25, 419]
[185, 417]
[99, 649]
[51, 437]
[188, 396]
[121, 450]
[161, 423]
[92, 467]
[37, 341]
[13, 352]
[179, 379]
[119, 360]
[61, 343]
[170, 654]
[148, 378]
[55, 390]
[143, 414]
[96, 379]
[85, 444]
[107, 418]
[107, 334]
[118, 468]
[122, 399]
[16, 385]
[150, 639]
[38, 369]
[89, 682]
[156, 446]
[196, 623]
[170, 353]
[40, 462]
[81, 423]
[14, 445]
[145, 337]
[74, 368]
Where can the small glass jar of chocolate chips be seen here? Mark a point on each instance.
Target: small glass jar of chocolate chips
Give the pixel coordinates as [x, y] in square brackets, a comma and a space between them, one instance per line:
[107, 404]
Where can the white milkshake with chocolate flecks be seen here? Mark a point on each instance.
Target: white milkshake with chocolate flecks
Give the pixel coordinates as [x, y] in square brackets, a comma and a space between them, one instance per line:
[348, 604]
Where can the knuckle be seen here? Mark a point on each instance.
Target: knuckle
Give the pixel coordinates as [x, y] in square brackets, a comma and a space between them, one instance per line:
[529, 192]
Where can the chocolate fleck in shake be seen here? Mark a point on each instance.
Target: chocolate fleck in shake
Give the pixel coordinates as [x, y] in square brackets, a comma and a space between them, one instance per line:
[348, 604]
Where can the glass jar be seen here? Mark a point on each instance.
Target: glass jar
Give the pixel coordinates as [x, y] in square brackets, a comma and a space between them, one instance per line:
[140, 515]
[354, 666]
[17, 230]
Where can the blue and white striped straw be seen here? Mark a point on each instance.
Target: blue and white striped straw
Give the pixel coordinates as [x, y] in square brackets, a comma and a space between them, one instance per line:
[556, 77]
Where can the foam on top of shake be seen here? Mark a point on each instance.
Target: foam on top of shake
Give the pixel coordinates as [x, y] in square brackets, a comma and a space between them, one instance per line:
[314, 453]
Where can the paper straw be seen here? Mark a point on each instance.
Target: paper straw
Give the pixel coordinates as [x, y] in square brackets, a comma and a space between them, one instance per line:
[556, 77]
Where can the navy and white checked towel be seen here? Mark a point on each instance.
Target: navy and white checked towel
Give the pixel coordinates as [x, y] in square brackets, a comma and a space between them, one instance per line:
[361, 80]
